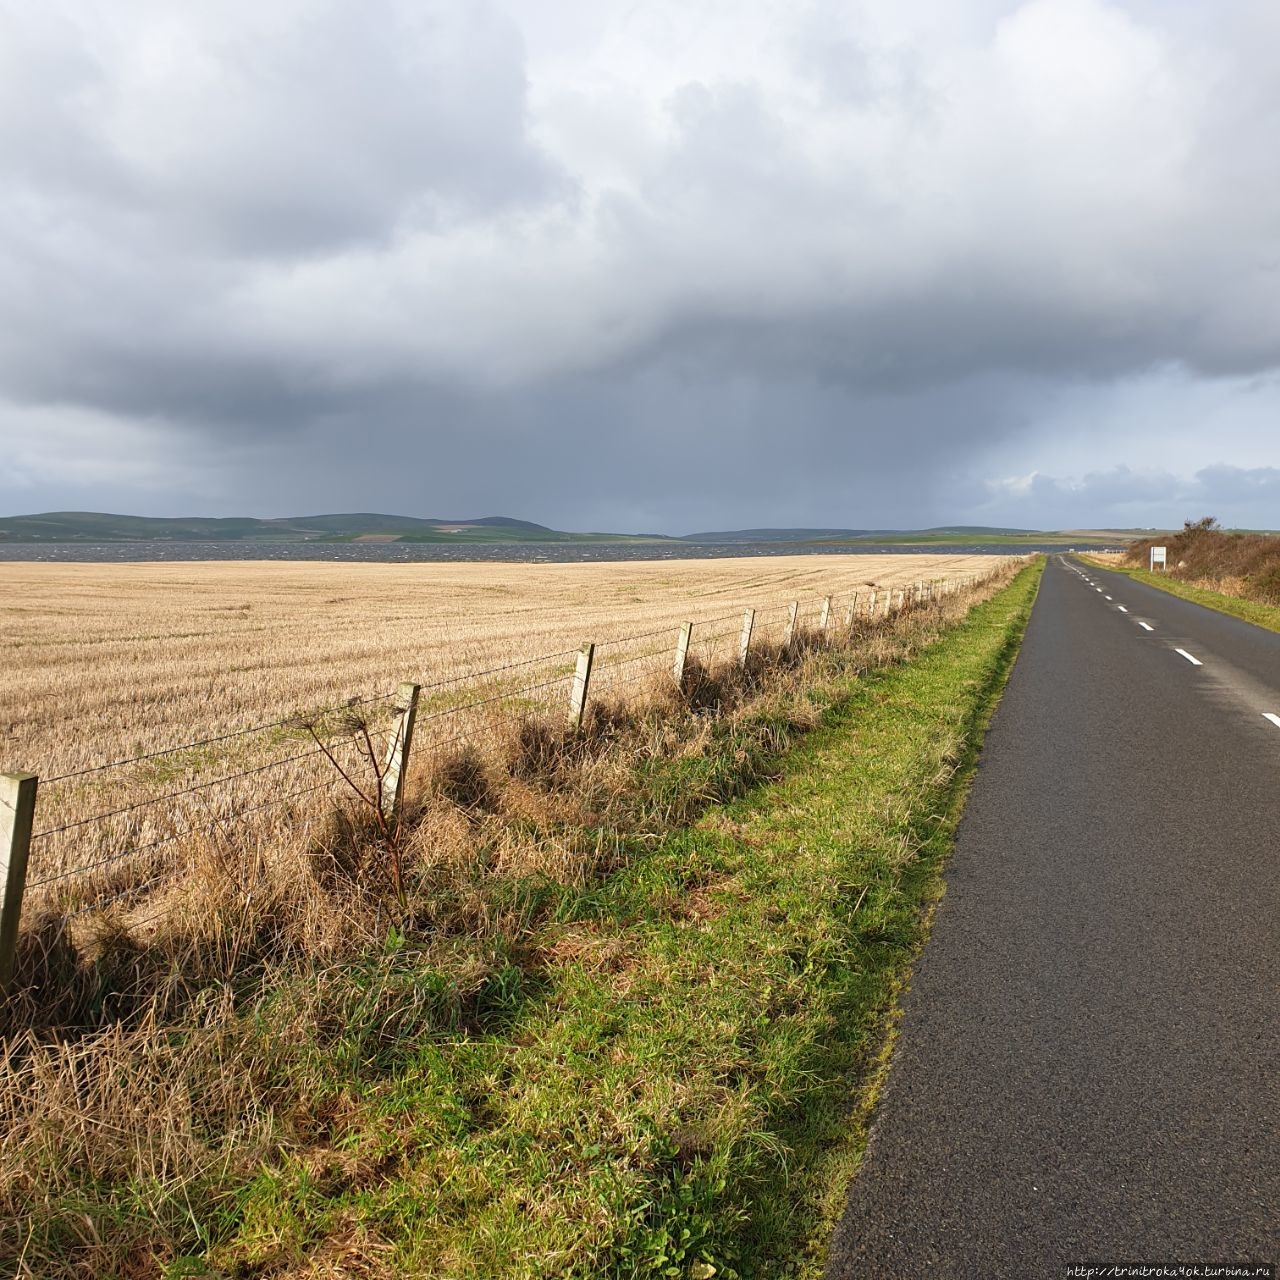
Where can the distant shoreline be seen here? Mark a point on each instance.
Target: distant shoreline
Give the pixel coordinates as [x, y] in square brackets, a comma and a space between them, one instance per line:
[149, 552]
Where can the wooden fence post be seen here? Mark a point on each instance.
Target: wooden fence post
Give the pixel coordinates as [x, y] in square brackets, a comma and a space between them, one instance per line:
[17, 813]
[744, 641]
[581, 681]
[405, 709]
[682, 653]
[790, 634]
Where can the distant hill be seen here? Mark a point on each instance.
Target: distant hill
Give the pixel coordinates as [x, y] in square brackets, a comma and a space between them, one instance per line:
[940, 533]
[363, 522]
[98, 526]
[776, 535]
[985, 530]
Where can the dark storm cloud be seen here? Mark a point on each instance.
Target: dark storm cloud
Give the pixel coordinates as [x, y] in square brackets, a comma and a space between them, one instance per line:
[627, 266]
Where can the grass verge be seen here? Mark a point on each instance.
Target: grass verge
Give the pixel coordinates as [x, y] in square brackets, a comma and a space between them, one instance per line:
[663, 1071]
[1261, 615]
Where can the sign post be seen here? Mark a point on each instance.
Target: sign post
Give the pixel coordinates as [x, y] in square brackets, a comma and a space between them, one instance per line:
[1157, 557]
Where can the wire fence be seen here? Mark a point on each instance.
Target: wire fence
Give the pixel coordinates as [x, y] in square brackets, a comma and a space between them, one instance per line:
[84, 856]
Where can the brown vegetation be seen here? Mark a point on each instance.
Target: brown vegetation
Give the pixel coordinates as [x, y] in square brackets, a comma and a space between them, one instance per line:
[247, 848]
[107, 663]
[128, 1056]
[1246, 565]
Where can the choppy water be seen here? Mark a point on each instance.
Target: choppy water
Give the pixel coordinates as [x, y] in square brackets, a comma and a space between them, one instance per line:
[527, 553]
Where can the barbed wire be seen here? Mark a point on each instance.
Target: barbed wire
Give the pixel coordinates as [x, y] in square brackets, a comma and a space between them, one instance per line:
[469, 676]
[199, 829]
[622, 662]
[286, 722]
[892, 593]
[497, 697]
[186, 791]
[474, 704]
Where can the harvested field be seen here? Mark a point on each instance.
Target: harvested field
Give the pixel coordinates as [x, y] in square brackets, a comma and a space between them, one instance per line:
[206, 689]
[101, 661]
[244, 977]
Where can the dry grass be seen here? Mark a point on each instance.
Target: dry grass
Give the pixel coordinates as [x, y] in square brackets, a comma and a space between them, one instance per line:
[118, 660]
[1202, 555]
[127, 1062]
[269, 843]
[112, 662]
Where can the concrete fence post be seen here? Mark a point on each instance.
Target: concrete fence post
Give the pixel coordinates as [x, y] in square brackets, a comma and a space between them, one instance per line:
[405, 709]
[825, 616]
[581, 682]
[744, 640]
[682, 653]
[789, 635]
[17, 814]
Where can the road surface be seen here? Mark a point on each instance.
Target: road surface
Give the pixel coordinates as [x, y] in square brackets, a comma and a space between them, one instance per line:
[1088, 1068]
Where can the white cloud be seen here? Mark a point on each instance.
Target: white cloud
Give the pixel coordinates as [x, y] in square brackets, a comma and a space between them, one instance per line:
[251, 221]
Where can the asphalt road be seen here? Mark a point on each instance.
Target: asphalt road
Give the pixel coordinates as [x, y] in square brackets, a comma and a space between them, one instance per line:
[1088, 1068]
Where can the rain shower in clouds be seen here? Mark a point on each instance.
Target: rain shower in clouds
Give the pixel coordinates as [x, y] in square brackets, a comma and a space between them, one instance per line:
[642, 265]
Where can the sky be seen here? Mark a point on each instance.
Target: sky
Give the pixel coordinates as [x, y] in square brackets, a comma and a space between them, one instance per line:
[643, 265]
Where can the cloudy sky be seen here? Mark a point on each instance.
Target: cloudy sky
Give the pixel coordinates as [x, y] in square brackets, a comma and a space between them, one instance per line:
[643, 264]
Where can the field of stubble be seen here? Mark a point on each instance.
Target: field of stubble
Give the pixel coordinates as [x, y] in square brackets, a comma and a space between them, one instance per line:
[109, 663]
[247, 1021]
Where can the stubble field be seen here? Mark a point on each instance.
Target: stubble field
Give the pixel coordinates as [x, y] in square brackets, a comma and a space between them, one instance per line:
[101, 661]
[227, 966]
[198, 686]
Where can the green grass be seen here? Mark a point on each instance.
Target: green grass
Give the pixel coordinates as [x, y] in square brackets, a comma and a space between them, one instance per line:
[665, 1070]
[678, 1093]
[1261, 615]
[986, 539]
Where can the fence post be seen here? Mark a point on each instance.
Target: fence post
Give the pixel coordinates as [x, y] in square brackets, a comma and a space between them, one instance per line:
[871, 606]
[851, 612]
[825, 616]
[744, 641]
[790, 634]
[17, 813]
[682, 653]
[405, 709]
[581, 681]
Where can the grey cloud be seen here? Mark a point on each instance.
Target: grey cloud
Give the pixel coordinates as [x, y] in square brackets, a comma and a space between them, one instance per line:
[840, 261]
[252, 136]
[1143, 498]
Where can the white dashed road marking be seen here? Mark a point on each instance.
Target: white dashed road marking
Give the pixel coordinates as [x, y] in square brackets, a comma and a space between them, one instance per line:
[1271, 715]
[1195, 662]
[1146, 626]
[1122, 608]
